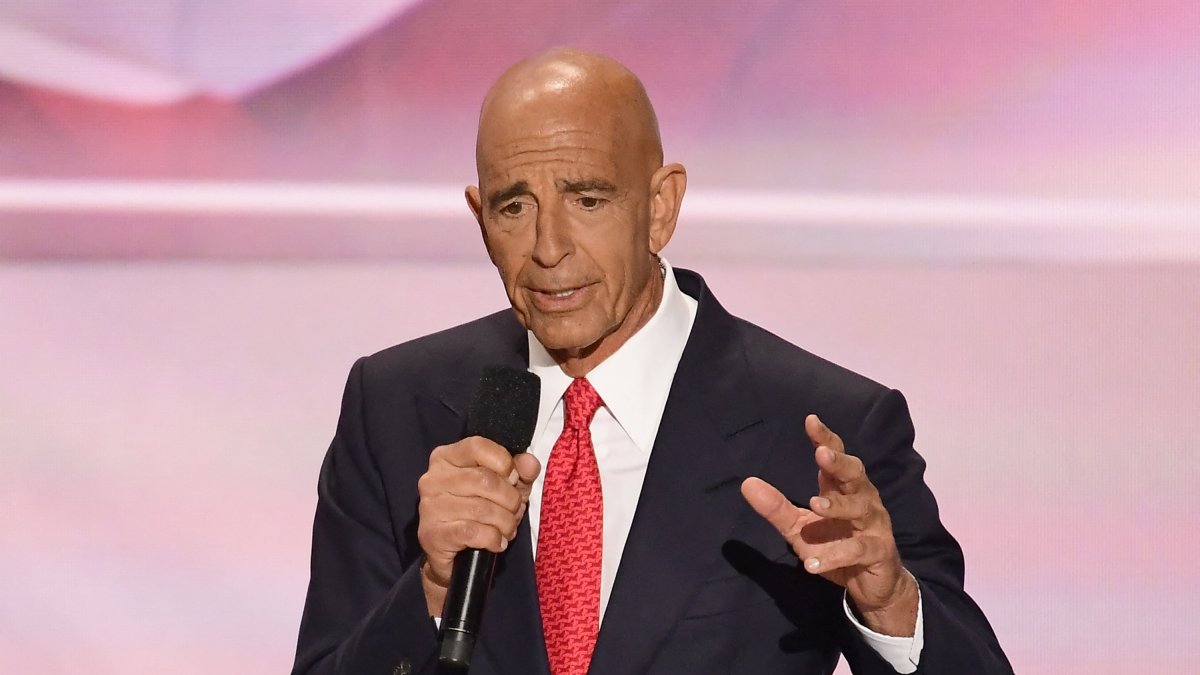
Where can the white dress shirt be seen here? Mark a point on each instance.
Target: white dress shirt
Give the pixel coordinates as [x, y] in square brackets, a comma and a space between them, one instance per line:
[634, 383]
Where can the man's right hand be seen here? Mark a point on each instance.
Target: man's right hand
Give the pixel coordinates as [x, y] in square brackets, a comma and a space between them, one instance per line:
[473, 496]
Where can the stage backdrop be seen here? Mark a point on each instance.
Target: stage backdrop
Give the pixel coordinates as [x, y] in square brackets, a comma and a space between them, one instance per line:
[208, 210]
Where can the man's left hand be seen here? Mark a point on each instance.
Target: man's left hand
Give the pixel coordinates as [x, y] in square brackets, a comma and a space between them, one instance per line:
[845, 535]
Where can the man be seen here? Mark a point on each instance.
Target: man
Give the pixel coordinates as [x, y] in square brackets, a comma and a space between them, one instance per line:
[636, 552]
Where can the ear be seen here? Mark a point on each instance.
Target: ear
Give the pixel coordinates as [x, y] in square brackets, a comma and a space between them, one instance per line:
[476, 205]
[667, 186]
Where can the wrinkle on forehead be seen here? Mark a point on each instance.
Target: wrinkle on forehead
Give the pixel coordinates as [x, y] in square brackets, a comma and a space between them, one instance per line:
[580, 142]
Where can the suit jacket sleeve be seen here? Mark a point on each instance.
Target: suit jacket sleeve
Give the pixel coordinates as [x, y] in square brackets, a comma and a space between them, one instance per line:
[958, 638]
[365, 611]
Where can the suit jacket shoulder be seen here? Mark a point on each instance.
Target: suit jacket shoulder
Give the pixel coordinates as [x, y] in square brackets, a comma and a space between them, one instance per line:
[432, 358]
[780, 366]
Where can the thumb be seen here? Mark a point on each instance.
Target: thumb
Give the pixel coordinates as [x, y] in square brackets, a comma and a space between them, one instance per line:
[772, 505]
[528, 468]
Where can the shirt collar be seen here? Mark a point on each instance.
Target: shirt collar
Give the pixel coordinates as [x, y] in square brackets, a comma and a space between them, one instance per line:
[635, 381]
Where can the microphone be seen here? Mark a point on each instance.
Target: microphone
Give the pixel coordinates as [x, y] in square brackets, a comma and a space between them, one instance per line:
[504, 410]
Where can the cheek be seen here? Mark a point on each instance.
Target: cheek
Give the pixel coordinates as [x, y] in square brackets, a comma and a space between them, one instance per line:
[507, 255]
[508, 272]
[512, 285]
[632, 274]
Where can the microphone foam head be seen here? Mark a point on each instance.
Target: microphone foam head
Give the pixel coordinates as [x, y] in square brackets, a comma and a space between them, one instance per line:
[504, 407]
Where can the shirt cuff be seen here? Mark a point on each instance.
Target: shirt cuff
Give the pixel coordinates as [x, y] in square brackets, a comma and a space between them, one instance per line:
[902, 653]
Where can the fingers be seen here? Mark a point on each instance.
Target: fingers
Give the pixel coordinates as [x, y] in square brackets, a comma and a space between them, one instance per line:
[811, 537]
[820, 434]
[857, 509]
[473, 467]
[473, 510]
[476, 451]
[840, 531]
[472, 496]
[845, 491]
[840, 471]
[860, 551]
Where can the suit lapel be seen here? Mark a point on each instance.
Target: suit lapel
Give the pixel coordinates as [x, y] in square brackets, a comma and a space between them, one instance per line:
[704, 449]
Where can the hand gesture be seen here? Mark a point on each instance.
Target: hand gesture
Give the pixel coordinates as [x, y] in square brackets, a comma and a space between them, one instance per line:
[845, 535]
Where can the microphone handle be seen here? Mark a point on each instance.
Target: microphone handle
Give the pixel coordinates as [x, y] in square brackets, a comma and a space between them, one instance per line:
[469, 584]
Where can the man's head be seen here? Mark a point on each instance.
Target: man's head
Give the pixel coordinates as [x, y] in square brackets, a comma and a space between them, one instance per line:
[574, 202]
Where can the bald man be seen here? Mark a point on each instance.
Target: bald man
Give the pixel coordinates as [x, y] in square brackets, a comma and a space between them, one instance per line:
[704, 435]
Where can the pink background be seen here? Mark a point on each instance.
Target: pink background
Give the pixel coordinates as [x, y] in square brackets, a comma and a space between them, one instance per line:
[209, 209]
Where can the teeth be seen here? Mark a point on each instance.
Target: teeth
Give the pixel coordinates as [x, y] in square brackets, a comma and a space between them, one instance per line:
[563, 294]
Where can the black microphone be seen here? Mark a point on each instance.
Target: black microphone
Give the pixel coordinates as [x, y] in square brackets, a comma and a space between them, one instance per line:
[504, 410]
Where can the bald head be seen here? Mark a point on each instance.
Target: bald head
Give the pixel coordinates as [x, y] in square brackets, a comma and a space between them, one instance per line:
[568, 85]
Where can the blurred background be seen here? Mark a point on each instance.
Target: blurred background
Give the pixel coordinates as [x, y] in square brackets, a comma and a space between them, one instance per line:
[208, 210]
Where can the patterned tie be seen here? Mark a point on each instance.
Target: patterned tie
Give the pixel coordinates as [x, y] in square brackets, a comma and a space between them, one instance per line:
[571, 538]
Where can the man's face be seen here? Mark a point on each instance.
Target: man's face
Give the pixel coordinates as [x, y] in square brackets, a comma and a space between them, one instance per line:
[565, 210]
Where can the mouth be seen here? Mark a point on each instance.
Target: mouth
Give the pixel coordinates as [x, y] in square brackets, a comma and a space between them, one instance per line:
[560, 299]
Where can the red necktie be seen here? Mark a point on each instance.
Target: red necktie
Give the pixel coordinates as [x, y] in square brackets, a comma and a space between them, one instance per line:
[571, 538]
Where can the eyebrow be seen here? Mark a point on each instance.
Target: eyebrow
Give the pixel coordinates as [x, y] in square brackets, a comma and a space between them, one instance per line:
[587, 185]
[497, 198]
[521, 187]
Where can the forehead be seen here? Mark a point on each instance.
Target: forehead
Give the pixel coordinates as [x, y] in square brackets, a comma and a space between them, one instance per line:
[551, 138]
[554, 156]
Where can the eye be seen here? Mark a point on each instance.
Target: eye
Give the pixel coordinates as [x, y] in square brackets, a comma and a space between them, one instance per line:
[590, 203]
[513, 209]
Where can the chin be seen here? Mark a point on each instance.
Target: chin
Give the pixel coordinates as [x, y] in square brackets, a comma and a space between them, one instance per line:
[564, 338]
[563, 343]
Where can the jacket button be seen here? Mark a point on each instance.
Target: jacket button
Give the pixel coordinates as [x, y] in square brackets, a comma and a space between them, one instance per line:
[405, 668]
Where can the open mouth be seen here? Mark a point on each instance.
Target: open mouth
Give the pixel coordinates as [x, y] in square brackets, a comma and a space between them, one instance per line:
[560, 299]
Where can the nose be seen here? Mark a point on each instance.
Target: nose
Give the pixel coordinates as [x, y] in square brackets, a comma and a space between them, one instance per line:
[553, 241]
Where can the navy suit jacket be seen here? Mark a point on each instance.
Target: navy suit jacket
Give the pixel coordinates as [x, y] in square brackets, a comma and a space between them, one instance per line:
[705, 585]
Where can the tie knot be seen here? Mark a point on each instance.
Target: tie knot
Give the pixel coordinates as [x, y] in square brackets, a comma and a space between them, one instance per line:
[582, 402]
